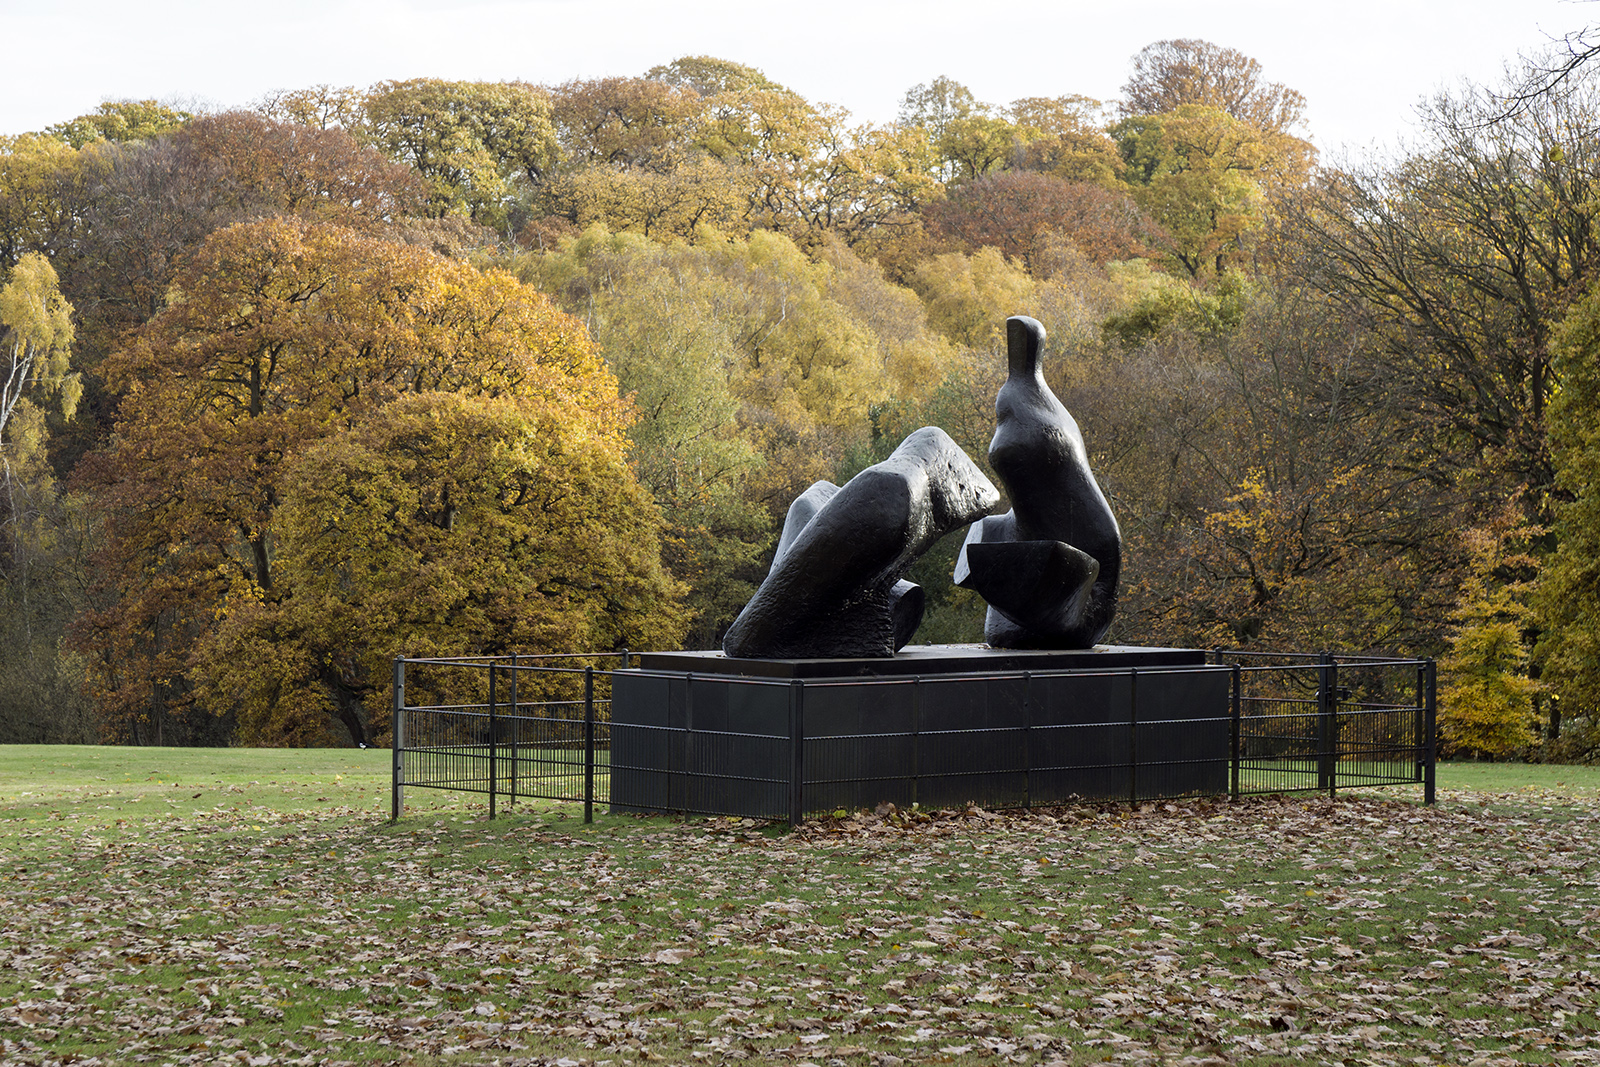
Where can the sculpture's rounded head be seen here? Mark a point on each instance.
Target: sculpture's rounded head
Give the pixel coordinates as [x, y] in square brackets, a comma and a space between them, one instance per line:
[1024, 345]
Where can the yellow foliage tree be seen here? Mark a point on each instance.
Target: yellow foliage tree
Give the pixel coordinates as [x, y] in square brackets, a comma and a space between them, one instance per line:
[1486, 696]
[36, 333]
[969, 298]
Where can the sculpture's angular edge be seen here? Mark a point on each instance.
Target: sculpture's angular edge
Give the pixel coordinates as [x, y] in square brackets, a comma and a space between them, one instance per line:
[834, 588]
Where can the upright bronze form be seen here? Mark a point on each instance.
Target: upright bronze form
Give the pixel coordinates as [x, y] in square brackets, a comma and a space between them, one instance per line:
[1049, 566]
[834, 588]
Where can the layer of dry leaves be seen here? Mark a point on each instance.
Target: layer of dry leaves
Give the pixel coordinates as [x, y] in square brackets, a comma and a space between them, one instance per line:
[1364, 930]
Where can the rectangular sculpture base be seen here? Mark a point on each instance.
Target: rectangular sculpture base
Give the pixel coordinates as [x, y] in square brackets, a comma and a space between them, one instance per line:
[935, 726]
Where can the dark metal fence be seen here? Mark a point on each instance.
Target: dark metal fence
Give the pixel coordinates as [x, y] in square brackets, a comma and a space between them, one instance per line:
[540, 727]
[1318, 722]
[519, 727]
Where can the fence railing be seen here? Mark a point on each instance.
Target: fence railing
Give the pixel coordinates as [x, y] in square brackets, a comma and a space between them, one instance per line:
[540, 727]
[519, 727]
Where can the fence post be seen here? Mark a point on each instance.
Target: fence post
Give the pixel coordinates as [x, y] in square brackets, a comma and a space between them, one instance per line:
[1418, 728]
[1333, 726]
[624, 659]
[397, 741]
[588, 744]
[1133, 736]
[797, 753]
[1234, 729]
[1325, 703]
[494, 742]
[516, 729]
[1430, 726]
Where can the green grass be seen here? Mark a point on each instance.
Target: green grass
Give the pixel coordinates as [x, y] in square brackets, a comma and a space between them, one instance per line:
[1519, 777]
[277, 917]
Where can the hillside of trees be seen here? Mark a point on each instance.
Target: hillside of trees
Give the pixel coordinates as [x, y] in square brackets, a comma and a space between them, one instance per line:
[445, 367]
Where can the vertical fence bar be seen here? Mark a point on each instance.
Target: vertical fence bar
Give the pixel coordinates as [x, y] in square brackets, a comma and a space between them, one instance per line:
[494, 742]
[1417, 725]
[797, 752]
[688, 742]
[1324, 700]
[1027, 740]
[397, 741]
[916, 737]
[516, 730]
[1133, 736]
[1430, 728]
[624, 654]
[1333, 726]
[1237, 705]
[588, 744]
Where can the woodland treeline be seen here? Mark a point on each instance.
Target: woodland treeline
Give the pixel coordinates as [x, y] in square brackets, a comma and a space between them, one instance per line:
[446, 367]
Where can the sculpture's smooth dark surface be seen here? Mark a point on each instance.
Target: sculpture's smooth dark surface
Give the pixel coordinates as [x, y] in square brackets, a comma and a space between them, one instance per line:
[834, 587]
[1048, 567]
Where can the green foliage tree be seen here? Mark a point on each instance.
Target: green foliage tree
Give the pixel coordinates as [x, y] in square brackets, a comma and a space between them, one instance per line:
[479, 146]
[1568, 599]
[120, 121]
[753, 367]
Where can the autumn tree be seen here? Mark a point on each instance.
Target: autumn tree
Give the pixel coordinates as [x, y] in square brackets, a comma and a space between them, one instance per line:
[1468, 254]
[1486, 696]
[321, 107]
[39, 530]
[1264, 496]
[624, 123]
[966, 138]
[43, 184]
[1568, 598]
[121, 121]
[753, 368]
[1064, 137]
[493, 524]
[1206, 179]
[1023, 213]
[969, 298]
[274, 167]
[283, 334]
[36, 332]
[1170, 74]
[479, 146]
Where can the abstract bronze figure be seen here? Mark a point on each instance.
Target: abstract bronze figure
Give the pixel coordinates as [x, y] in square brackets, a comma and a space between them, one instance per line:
[1048, 567]
[834, 589]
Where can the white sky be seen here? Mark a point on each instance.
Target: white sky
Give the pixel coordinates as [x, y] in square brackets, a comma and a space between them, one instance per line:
[1362, 64]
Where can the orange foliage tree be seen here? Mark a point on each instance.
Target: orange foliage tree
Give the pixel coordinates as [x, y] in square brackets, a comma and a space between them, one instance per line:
[292, 347]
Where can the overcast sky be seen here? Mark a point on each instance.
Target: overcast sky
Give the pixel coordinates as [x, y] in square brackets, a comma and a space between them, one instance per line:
[1362, 64]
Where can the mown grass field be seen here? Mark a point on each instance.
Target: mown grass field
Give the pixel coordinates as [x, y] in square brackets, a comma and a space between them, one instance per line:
[256, 907]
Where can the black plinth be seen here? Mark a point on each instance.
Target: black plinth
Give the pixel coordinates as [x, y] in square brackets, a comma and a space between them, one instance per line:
[934, 725]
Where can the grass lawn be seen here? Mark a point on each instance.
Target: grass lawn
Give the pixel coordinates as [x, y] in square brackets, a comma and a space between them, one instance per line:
[256, 907]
